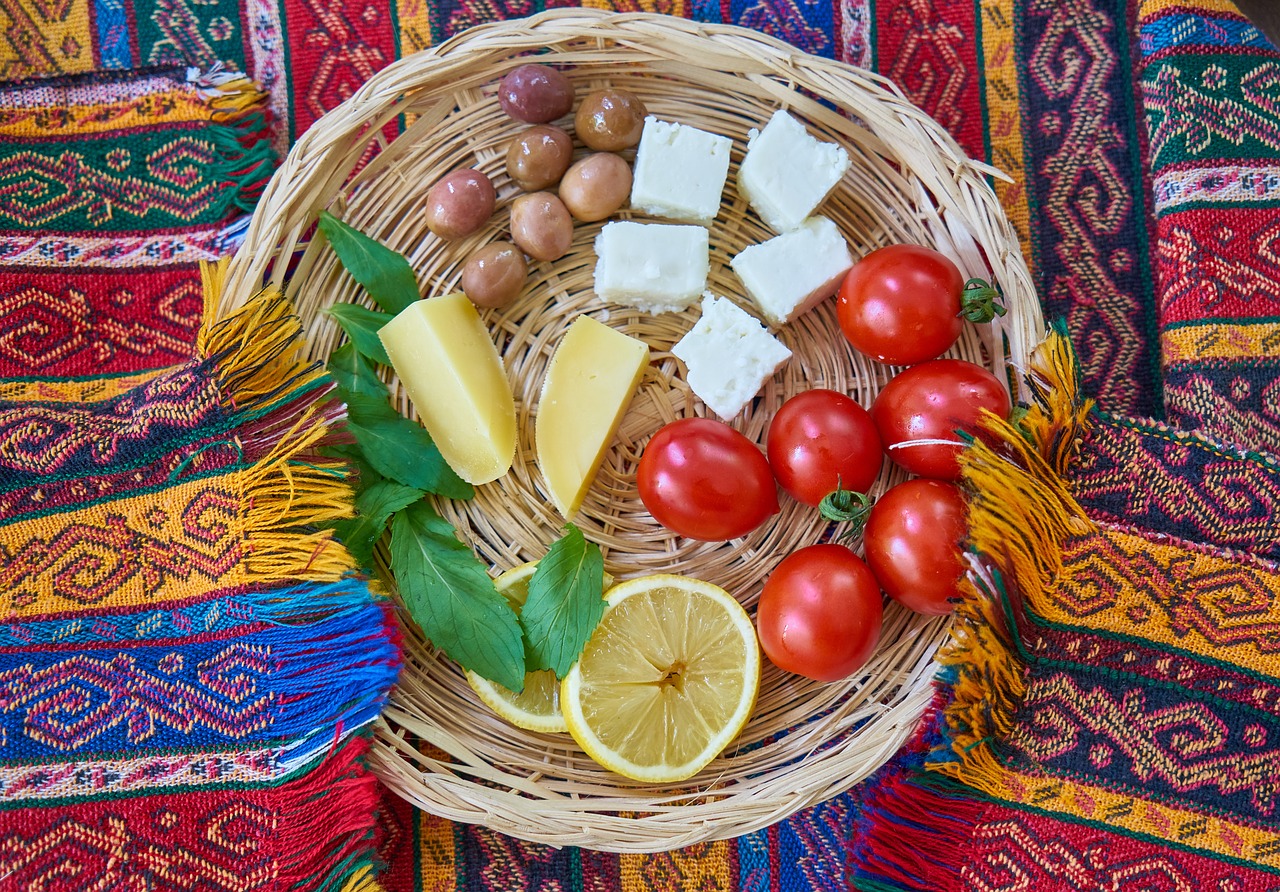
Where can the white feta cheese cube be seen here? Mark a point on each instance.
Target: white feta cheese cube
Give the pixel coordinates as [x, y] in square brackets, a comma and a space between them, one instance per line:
[792, 273]
[729, 356]
[654, 267]
[679, 172]
[787, 172]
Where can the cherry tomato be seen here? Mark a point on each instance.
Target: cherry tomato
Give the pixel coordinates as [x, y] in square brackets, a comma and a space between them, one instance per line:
[821, 439]
[820, 613]
[901, 304]
[702, 479]
[930, 402]
[913, 543]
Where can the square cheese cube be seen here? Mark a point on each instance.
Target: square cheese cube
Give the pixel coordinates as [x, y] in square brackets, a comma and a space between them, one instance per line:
[655, 267]
[787, 173]
[729, 356]
[793, 272]
[679, 172]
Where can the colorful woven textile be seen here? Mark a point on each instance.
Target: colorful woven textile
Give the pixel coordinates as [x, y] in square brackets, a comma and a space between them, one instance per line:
[1208, 89]
[186, 661]
[105, 177]
[1110, 711]
[1109, 716]
[1156, 258]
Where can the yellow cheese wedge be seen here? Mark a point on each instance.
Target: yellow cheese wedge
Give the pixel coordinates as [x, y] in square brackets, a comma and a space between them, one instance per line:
[589, 384]
[454, 377]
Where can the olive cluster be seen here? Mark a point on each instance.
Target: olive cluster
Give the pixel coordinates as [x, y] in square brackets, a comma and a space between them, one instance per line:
[540, 158]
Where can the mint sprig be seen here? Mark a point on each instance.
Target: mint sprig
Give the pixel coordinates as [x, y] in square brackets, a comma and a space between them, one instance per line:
[393, 445]
[446, 589]
[361, 325]
[451, 597]
[385, 274]
[375, 503]
[564, 604]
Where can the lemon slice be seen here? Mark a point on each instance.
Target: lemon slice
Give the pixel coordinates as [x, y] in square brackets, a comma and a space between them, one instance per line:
[537, 707]
[666, 681]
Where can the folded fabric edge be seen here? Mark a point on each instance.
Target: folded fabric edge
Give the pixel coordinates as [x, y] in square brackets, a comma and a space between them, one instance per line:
[914, 832]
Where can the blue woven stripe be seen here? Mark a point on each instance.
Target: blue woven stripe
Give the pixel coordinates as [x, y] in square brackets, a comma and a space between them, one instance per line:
[242, 608]
[1187, 29]
[113, 34]
[231, 689]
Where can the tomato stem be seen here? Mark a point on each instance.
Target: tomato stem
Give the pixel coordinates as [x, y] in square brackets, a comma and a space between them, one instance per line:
[980, 302]
[846, 506]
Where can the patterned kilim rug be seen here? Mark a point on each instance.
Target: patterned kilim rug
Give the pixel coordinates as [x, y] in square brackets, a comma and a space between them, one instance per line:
[1142, 145]
[185, 663]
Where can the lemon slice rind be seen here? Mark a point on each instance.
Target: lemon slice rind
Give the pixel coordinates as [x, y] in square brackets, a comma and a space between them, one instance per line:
[541, 688]
[737, 629]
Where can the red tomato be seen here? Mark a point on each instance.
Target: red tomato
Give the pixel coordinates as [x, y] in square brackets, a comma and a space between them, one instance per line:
[901, 304]
[820, 613]
[913, 543]
[702, 479]
[931, 401]
[820, 439]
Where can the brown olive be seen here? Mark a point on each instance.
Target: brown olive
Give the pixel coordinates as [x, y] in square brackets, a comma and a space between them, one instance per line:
[460, 203]
[541, 226]
[539, 156]
[610, 120]
[596, 186]
[494, 275]
[535, 94]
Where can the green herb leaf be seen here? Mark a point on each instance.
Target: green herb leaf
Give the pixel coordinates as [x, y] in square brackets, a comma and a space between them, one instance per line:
[351, 454]
[452, 598]
[361, 325]
[393, 445]
[355, 375]
[374, 506]
[402, 449]
[384, 273]
[565, 603]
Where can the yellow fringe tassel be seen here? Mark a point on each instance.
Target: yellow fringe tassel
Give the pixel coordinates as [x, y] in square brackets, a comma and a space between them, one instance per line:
[1020, 514]
[1056, 421]
[258, 347]
[235, 96]
[257, 355]
[363, 880]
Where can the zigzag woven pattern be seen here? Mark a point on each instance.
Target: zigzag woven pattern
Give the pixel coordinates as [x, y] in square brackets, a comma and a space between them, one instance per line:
[1111, 703]
[185, 656]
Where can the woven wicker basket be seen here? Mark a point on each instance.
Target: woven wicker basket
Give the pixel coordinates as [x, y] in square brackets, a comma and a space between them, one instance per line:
[805, 742]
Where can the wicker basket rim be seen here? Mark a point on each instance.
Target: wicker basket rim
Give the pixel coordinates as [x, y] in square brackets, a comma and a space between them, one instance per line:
[544, 795]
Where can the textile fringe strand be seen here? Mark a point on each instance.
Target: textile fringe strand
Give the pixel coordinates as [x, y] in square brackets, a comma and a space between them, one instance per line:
[332, 802]
[256, 354]
[238, 109]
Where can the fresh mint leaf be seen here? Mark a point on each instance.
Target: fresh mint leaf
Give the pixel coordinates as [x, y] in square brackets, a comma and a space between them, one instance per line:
[384, 273]
[393, 445]
[565, 602]
[451, 597]
[355, 375]
[374, 506]
[351, 454]
[361, 325]
[403, 450]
